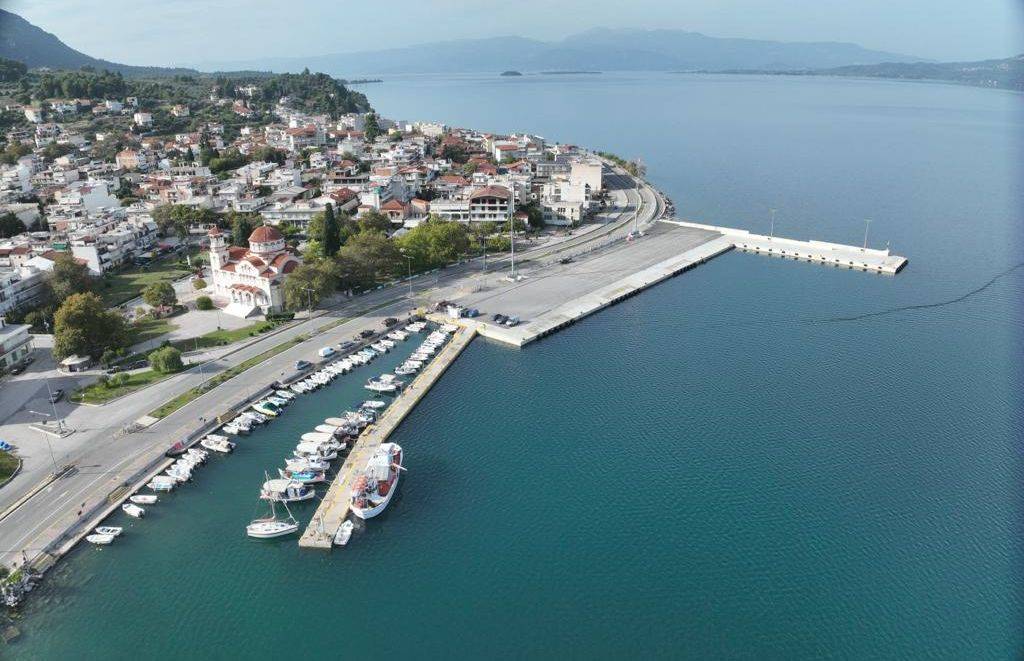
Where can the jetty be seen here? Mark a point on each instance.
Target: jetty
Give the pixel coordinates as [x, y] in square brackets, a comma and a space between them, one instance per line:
[334, 507]
[698, 244]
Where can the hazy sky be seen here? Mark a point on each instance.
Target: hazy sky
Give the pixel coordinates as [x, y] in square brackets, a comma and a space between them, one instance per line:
[166, 32]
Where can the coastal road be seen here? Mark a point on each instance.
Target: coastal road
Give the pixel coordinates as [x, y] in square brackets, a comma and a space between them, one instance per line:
[103, 457]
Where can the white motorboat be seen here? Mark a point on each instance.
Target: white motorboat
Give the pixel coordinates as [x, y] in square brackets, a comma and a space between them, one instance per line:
[217, 444]
[234, 428]
[254, 417]
[320, 438]
[109, 530]
[313, 451]
[448, 329]
[100, 540]
[284, 394]
[162, 483]
[279, 402]
[283, 490]
[373, 490]
[298, 388]
[131, 509]
[329, 429]
[179, 473]
[263, 407]
[381, 347]
[344, 533]
[390, 378]
[270, 527]
[398, 335]
[402, 370]
[143, 499]
[306, 464]
[378, 386]
[373, 404]
[390, 344]
[198, 456]
[415, 364]
[305, 477]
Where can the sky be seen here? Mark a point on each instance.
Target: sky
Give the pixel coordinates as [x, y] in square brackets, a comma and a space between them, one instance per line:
[195, 32]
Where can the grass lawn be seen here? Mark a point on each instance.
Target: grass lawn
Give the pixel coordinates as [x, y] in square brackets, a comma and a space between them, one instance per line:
[149, 328]
[97, 393]
[219, 338]
[8, 464]
[125, 285]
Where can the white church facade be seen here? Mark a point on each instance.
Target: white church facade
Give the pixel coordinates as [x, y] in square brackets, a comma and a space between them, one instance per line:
[250, 280]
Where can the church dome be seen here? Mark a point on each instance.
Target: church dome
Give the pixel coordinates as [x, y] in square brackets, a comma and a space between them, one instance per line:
[265, 234]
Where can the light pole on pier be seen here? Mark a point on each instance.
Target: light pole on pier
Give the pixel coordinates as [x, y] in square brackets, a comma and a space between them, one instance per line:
[771, 230]
[867, 224]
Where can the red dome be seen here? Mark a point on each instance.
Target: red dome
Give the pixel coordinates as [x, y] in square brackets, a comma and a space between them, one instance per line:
[265, 234]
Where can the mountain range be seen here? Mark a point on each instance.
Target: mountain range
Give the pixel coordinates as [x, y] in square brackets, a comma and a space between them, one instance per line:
[598, 49]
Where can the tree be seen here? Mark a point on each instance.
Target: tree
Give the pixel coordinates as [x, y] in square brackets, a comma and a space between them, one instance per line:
[331, 233]
[199, 283]
[166, 360]
[10, 225]
[160, 294]
[373, 221]
[204, 303]
[68, 277]
[371, 127]
[367, 258]
[84, 327]
[310, 283]
[242, 226]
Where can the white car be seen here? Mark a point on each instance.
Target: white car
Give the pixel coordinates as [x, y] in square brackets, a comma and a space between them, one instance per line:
[327, 352]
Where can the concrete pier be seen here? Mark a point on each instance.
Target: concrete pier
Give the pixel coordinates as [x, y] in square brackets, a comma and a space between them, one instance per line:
[334, 507]
[834, 254]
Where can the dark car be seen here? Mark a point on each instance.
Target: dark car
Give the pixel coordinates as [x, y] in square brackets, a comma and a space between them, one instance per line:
[137, 365]
[366, 333]
[347, 344]
[390, 321]
[56, 395]
[500, 318]
[18, 369]
[566, 260]
[115, 369]
[303, 364]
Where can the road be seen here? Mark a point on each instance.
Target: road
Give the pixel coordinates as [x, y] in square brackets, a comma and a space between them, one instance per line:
[103, 456]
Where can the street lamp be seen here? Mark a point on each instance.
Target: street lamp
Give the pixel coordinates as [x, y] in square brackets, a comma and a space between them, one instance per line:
[867, 224]
[409, 260]
[60, 422]
[47, 439]
[771, 231]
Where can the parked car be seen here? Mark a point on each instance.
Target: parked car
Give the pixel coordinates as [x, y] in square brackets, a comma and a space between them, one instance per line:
[56, 395]
[303, 364]
[347, 344]
[114, 369]
[390, 321]
[137, 365]
[18, 368]
[326, 352]
[500, 318]
[512, 321]
[566, 260]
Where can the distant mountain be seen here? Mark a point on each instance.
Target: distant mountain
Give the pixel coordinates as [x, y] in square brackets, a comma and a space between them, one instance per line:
[1007, 73]
[22, 41]
[1003, 74]
[603, 49]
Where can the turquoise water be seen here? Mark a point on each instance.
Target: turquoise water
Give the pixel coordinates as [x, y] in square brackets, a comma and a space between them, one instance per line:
[729, 465]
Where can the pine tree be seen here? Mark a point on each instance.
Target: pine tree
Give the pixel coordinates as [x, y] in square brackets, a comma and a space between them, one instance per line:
[332, 232]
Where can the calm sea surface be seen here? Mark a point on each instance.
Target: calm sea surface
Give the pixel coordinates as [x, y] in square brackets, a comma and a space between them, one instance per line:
[757, 459]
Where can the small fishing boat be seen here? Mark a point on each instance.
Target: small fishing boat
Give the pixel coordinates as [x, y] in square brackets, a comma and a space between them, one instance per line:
[143, 499]
[131, 509]
[270, 527]
[109, 530]
[254, 418]
[162, 483]
[298, 388]
[344, 533]
[284, 394]
[217, 444]
[200, 456]
[179, 473]
[279, 402]
[402, 370]
[306, 464]
[312, 451]
[328, 429]
[286, 491]
[373, 404]
[373, 490]
[380, 347]
[234, 429]
[380, 386]
[390, 344]
[266, 408]
[100, 540]
[305, 477]
[320, 438]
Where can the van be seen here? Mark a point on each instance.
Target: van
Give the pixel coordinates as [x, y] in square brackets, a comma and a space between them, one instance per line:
[326, 352]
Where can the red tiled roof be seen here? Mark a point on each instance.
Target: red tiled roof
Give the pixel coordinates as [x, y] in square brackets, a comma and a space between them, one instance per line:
[491, 191]
[265, 234]
[393, 205]
[236, 253]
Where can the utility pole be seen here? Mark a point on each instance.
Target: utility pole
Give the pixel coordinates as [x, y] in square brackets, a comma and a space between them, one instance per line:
[867, 224]
[47, 439]
[409, 260]
[53, 404]
[309, 302]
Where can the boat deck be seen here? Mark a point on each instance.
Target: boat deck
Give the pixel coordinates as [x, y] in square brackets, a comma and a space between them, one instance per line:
[334, 507]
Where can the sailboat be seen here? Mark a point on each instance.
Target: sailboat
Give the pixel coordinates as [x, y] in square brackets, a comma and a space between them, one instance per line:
[270, 527]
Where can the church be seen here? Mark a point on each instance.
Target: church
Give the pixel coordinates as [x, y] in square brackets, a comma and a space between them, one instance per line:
[250, 280]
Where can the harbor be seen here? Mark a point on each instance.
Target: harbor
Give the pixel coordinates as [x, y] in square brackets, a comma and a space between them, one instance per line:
[334, 507]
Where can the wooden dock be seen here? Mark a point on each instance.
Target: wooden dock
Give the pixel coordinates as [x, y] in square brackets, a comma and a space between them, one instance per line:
[334, 507]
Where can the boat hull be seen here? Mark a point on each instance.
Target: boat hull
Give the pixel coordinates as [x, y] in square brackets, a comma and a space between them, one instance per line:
[370, 512]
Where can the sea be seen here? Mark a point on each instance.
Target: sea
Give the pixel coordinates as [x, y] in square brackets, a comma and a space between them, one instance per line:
[757, 459]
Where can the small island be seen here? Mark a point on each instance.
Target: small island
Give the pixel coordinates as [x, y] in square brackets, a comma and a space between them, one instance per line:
[511, 73]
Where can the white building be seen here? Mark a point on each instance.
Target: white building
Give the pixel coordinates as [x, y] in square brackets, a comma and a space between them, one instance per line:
[251, 280]
[15, 343]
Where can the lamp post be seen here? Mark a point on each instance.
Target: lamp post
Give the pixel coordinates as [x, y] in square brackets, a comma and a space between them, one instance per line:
[47, 439]
[771, 230]
[53, 404]
[867, 224]
[409, 261]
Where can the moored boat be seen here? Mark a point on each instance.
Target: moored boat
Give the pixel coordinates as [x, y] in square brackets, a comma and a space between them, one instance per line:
[373, 490]
[109, 530]
[100, 540]
[344, 533]
[131, 509]
[283, 490]
[143, 499]
[270, 527]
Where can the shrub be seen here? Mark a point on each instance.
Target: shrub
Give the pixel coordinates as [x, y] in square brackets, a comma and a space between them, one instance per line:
[204, 303]
[166, 360]
[199, 283]
[103, 381]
